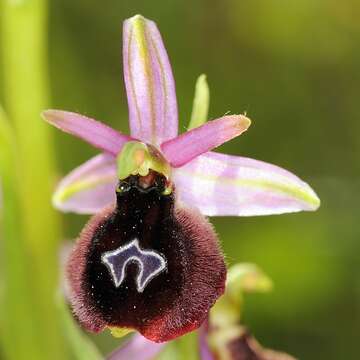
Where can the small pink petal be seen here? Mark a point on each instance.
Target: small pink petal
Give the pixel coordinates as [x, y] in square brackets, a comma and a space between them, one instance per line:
[205, 352]
[220, 184]
[89, 188]
[149, 82]
[137, 348]
[94, 132]
[193, 143]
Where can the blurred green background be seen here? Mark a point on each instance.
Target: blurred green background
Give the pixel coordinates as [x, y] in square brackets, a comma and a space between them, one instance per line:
[293, 66]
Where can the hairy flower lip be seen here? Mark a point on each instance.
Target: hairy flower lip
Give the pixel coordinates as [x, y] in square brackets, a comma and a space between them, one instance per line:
[176, 300]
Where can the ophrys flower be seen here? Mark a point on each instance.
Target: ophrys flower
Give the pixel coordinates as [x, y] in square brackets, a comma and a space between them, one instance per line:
[149, 260]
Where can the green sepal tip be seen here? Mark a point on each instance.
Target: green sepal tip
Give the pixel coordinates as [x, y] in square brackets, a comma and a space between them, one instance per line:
[201, 103]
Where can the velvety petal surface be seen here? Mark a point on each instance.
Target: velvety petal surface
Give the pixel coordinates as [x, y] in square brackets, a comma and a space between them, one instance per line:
[88, 188]
[137, 347]
[94, 132]
[122, 245]
[149, 82]
[195, 142]
[220, 184]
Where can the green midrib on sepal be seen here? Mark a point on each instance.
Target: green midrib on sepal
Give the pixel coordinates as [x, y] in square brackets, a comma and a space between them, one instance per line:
[305, 195]
[65, 193]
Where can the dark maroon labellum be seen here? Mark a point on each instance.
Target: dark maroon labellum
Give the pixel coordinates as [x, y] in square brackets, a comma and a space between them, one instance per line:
[146, 264]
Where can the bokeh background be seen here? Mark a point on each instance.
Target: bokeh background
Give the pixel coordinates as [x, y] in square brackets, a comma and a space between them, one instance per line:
[293, 66]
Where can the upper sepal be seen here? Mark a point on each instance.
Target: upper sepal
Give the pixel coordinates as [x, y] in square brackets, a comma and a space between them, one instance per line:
[149, 82]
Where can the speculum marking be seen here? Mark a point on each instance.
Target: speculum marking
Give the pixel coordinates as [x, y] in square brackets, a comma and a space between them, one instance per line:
[149, 263]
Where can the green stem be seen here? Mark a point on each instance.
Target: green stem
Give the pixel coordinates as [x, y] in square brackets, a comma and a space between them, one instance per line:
[187, 346]
[24, 38]
[17, 320]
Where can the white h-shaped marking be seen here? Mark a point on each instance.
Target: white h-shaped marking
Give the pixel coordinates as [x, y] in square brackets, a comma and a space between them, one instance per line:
[149, 262]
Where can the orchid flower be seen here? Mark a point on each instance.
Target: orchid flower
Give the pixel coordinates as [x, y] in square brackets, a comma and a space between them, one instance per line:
[148, 260]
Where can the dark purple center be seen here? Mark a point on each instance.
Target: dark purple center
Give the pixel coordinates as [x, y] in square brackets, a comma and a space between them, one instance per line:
[140, 233]
[147, 265]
